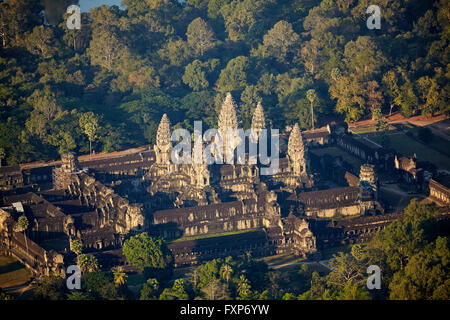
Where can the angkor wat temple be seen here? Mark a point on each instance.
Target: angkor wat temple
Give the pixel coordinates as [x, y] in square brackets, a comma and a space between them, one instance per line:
[204, 211]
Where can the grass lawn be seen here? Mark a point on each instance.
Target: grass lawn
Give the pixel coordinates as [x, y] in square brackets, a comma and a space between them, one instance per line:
[407, 146]
[282, 258]
[135, 279]
[328, 252]
[320, 269]
[368, 129]
[334, 151]
[368, 141]
[55, 244]
[12, 272]
[441, 144]
[437, 142]
[134, 282]
[212, 235]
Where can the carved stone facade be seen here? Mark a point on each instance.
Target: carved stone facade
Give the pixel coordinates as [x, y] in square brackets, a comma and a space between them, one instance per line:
[24, 249]
[10, 178]
[163, 147]
[228, 121]
[216, 199]
[369, 181]
[439, 192]
[112, 210]
[258, 121]
[203, 210]
[294, 171]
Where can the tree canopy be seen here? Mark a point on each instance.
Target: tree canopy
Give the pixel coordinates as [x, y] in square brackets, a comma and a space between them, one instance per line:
[129, 66]
[143, 251]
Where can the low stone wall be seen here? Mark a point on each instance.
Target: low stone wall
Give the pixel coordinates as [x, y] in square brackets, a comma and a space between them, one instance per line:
[196, 251]
[34, 257]
[439, 192]
[210, 219]
[337, 233]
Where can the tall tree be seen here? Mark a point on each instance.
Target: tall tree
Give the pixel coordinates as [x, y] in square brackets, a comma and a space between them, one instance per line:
[241, 16]
[17, 17]
[226, 272]
[425, 276]
[2, 155]
[46, 104]
[106, 49]
[243, 287]
[200, 36]
[363, 57]
[310, 56]
[349, 94]
[22, 225]
[430, 95]
[194, 76]
[120, 277]
[281, 42]
[41, 42]
[374, 99]
[143, 251]
[89, 125]
[149, 290]
[234, 75]
[311, 96]
[177, 292]
[87, 263]
[76, 246]
[215, 290]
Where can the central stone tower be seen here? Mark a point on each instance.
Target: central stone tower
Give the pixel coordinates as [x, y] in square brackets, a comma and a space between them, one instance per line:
[228, 121]
[258, 121]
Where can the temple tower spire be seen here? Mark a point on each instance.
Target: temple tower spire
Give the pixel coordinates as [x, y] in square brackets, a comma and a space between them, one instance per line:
[227, 116]
[296, 152]
[200, 173]
[163, 147]
[258, 120]
[228, 121]
[369, 179]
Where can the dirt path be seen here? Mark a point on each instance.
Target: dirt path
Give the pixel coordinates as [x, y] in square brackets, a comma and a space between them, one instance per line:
[439, 125]
[20, 290]
[323, 263]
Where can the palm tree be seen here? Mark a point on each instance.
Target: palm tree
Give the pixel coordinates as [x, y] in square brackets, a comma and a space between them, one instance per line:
[76, 246]
[311, 96]
[120, 277]
[2, 155]
[23, 224]
[87, 263]
[226, 272]
[195, 276]
[243, 287]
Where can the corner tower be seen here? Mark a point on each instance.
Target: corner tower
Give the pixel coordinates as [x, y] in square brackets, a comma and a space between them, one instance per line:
[258, 120]
[163, 147]
[369, 179]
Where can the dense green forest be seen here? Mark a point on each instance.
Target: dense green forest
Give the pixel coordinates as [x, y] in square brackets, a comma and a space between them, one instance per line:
[111, 81]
